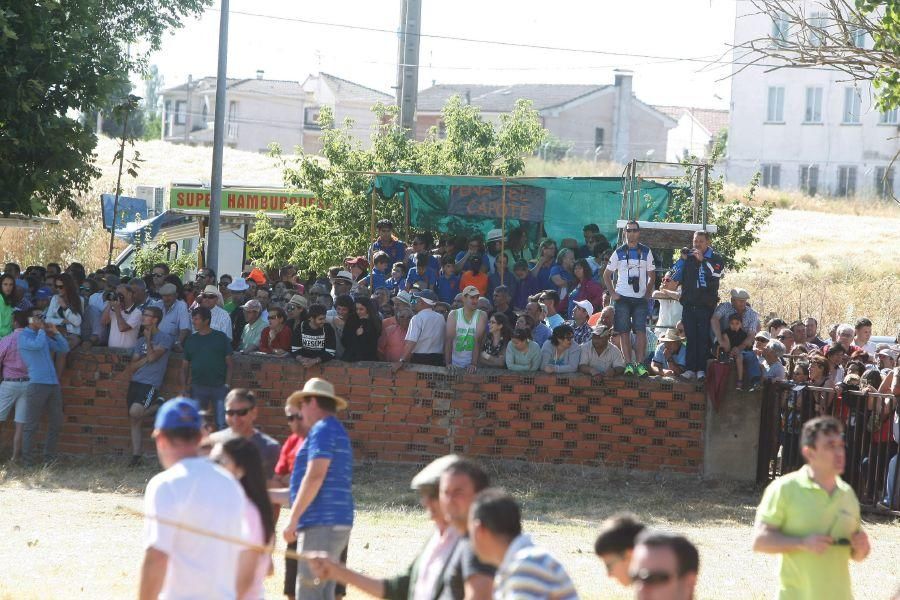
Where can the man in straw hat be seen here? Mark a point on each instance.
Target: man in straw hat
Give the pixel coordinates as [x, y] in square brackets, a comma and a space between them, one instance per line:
[220, 320]
[670, 356]
[195, 492]
[424, 576]
[321, 497]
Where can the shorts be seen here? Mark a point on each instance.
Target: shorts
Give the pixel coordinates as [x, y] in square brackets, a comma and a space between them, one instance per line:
[631, 315]
[144, 394]
[12, 395]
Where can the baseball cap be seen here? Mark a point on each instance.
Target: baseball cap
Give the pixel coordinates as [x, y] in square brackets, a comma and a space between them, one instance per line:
[168, 289]
[495, 235]
[43, 293]
[178, 413]
[763, 335]
[252, 305]
[586, 305]
[430, 476]
[601, 330]
[427, 296]
[359, 261]
[299, 301]
[471, 290]
[344, 275]
[404, 296]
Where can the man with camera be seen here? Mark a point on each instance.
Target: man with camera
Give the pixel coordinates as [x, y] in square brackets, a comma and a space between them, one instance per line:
[699, 272]
[635, 281]
[122, 316]
[44, 394]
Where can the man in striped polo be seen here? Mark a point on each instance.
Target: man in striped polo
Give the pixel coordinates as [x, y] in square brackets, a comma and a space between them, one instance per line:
[524, 570]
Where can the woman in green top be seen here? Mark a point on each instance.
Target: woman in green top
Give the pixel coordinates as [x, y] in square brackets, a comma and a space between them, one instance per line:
[523, 353]
[7, 303]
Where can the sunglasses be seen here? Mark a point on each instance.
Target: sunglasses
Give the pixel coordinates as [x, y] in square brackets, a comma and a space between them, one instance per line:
[292, 418]
[784, 337]
[293, 306]
[240, 412]
[647, 577]
[631, 230]
[209, 296]
[158, 276]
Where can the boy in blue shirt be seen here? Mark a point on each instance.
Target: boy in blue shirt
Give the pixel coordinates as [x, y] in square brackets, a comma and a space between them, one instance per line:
[379, 276]
[424, 275]
[448, 282]
[397, 279]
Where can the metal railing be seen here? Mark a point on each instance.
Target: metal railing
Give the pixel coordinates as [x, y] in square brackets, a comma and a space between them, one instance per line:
[870, 437]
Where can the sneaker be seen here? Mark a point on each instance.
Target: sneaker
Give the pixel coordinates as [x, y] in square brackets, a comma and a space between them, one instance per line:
[688, 375]
[701, 375]
[739, 386]
[642, 370]
[629, 369]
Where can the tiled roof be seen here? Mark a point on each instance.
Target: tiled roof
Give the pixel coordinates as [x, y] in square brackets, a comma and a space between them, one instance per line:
[502, 98]
[713, 120]
[348, 90]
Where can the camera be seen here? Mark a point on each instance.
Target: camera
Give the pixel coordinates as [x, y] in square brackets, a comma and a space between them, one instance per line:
[635, 283]
[110, 296]
[685, 252]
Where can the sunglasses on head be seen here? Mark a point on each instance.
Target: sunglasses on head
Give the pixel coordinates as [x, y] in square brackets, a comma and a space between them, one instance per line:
[240, 412]
[648, 577]
[292, 418]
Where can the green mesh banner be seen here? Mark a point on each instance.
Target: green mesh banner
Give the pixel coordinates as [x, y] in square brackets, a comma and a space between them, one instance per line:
[565, 205]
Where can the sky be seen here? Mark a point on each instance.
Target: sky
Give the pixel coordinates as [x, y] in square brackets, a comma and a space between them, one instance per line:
[606, 34]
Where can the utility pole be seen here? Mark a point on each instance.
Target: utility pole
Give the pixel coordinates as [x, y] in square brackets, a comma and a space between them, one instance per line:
[408, 67]
[215, 195]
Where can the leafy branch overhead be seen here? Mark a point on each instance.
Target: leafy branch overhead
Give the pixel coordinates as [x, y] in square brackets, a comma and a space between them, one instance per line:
[58, 59]
[317, 236]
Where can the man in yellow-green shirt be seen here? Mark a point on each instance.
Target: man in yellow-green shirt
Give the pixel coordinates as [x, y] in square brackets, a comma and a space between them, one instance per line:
[811, 518]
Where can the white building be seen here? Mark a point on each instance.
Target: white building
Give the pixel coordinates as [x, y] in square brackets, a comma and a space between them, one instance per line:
[696, 131]
[262, 111]
[806, 129]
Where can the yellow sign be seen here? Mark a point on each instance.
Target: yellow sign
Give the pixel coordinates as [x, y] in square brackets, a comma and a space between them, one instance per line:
[247, 201]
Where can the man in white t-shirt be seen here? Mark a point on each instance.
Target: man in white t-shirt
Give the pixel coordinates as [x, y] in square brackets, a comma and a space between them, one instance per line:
[425, 336]
[199, 494]
[123, 317]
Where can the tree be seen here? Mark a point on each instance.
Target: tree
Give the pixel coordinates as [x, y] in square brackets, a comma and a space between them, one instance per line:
[153, 83]
[60, 58]
[112, 123]
[833, 33]
[738, 221]
[316, 236]
[149, 253]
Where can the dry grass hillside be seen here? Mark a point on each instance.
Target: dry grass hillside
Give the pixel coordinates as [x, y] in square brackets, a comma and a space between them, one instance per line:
[836, 259]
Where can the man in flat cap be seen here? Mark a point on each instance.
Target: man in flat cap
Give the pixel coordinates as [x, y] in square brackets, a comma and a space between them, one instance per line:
[424, 577]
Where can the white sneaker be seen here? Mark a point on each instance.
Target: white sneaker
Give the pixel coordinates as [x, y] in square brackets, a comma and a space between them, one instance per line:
[687, 375]
[701, 375]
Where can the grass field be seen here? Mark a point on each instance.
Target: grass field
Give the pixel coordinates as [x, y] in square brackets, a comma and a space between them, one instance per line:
[67, 532]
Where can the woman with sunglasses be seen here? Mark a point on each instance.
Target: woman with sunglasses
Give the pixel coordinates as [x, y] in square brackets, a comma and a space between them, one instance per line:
[66, 312]
[560, 354]
[241, 458]
[276, 338]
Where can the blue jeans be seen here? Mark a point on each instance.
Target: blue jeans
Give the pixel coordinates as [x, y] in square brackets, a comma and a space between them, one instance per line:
[211, 396]
[697, 331]
[752, 371]
[890, 493]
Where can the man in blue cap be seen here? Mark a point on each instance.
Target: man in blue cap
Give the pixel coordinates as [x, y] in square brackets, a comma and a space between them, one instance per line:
[196, 493]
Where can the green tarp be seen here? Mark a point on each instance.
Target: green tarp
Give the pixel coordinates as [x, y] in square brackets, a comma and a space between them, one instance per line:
[565, 205]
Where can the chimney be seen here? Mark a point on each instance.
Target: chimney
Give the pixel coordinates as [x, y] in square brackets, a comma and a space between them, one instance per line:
[622, 117]
[260, 73]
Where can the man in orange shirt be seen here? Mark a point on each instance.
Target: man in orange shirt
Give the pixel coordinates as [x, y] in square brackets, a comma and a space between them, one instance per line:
[476, 276]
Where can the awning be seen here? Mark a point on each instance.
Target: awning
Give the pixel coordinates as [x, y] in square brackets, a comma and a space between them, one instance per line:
[175, 225]
[26, 222]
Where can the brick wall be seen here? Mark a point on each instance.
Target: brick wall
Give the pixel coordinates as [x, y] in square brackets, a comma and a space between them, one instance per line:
[422, 412]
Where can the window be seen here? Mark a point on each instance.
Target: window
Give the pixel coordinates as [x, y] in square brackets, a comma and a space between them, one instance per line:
[771, 176]
[884, 182]
[851, 106]
[780, 27]
[598, 138]
[809, 179]
[813, 112]
[232, 120]
[311, 117]
[815, 27]
[888, 117]
[859, 37]
[179, 112]
[775, 105]
[846, 181]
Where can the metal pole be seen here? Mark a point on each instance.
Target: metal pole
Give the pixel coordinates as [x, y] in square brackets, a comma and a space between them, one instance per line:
[503, 228]
[705, 193]
[215, 196]
[112, 228]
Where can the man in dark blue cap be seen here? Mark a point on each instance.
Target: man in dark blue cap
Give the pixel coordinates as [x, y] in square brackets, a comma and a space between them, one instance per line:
[192, 495]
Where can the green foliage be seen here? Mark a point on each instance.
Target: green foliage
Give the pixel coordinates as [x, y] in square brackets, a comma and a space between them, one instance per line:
[148, 254]
[152, 128]
[886, 40]
[554, 149]
[59, 58]
[317, 237]
[739, 220]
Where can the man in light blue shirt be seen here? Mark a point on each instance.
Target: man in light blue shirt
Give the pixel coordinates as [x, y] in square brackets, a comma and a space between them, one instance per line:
[36, 342]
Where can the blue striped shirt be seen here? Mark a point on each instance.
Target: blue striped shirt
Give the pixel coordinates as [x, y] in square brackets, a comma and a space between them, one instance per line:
[529, 571]
[333, 505]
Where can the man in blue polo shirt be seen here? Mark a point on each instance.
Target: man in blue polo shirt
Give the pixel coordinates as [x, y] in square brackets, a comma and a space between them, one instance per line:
[44, 394]
[386, 242]
[321, 496]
